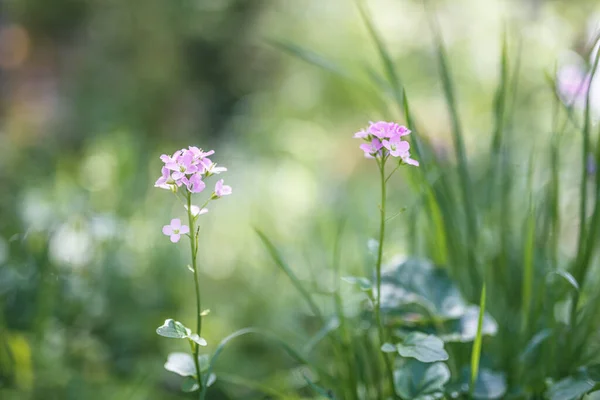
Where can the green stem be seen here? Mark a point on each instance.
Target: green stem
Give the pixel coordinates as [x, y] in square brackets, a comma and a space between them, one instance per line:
[380, 330]
[194, 252]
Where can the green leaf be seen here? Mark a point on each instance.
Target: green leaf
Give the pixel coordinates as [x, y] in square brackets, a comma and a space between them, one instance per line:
[330, 326]
[176, 330]
[212, 378]
[173, 329]
[181, 364]
[571, 388]
[568, 278]
[488, 386]
[425, 348]
[311, 57]
[534, 343]
[476, 352]
[417, 286]
[389, 348]
[278, 259]
[464, 329]
[363, 283]
[189, 384]
[197, 339]
[318, 389]
[416, 380]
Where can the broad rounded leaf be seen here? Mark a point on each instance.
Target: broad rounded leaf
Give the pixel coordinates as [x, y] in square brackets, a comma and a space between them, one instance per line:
[173, 329]
[388, 348]
[420, 381]
[573, 387]
[570, 388]
[593, 372]
[189, 384]
[181, 364]
[416, 286]
[489, 385]
[425, 348]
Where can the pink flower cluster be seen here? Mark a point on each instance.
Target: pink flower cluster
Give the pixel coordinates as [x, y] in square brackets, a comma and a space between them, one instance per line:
[188, 167]
[384, 139]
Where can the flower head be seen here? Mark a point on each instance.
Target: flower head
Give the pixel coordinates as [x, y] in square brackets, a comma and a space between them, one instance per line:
[175, 230]
[187, 167]
[222, 190]
[384, 139]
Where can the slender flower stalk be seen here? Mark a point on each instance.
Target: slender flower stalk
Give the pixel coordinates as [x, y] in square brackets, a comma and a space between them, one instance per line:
[184, 174]
[194, 254]
[383, 141]
[380, 328]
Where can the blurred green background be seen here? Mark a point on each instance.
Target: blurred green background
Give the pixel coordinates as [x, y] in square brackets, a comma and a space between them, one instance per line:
[92, 92]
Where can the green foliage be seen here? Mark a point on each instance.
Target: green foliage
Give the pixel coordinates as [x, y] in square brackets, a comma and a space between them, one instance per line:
[486, 211]
[425, 348]
[573, 387]
[183, 364]
[175, 329]
[421, 381]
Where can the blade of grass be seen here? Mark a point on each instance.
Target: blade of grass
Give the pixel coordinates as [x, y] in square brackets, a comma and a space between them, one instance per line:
[276, 256]
[281, 343]
[476, 352]
[528, 253]
[274, 253]
[388, 64]
[582, 263]
[500, 99]
[585, 248]
[311, 57]
[459, 147]
[252, 384]
[589, 327]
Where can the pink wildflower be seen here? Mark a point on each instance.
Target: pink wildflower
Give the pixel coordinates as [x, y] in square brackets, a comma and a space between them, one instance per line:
[175, 230]
[384, 139]
[222, 190]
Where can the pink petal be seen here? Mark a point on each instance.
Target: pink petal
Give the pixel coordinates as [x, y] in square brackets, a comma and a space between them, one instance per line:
[167, 230]
[184, 229]
[173, 166]
[361, 135]
[403, 146]
[410, 161]
[175, 223]
[175, 237]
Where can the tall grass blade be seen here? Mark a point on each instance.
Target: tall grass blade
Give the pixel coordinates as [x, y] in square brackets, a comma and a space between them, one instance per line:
[528, 254]
[459, 147]
[476, 352]
[311, 57]
[388, 64]
[254, 385]
[274, 253]
[588, 244]
[281, 343]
